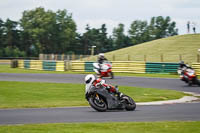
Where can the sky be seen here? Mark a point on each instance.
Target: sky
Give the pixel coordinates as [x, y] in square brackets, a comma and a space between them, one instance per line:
[110, 12]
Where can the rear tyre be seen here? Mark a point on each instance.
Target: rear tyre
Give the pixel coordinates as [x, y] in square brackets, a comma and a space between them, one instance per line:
[111, 75]
[190, 83]
[197, 81]
[130, 104]
[98, 104]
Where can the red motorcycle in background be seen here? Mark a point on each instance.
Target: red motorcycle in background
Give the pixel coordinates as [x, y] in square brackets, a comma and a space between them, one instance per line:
[188, 75]
[104, 69]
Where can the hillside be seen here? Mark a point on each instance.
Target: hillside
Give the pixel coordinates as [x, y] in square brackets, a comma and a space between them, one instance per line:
[171, 49]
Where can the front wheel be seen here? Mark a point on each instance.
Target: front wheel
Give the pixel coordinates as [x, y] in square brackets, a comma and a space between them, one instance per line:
[98, 103]
[130, 104]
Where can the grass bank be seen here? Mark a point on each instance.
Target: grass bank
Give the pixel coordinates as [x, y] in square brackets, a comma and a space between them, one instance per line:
[112, 127]
[7, 69]
[170, 49]
[35, 95]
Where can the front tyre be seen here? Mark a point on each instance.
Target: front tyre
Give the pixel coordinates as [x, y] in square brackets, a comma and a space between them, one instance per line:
[98, 103]
[130, 104]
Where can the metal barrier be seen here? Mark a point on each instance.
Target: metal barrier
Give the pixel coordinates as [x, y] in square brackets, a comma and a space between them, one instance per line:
[196, 67]
[21, 63]
[27, 64]
[128, 66]
[117, 66]
[60, 66]
[5, 61]
[49, 65]
[42, 65]
[36, 64]
[89, 66]
[78, 66]
[152, 67]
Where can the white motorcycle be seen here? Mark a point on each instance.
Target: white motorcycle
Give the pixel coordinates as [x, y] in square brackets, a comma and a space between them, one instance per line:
[105, 70]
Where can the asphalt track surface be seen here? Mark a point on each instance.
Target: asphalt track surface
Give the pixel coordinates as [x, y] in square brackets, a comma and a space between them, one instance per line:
[173, 112]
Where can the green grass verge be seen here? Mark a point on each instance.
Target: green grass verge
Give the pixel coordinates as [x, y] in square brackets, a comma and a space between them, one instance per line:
[35, 95]
[7, 69]
[113, 127]
[170, 48]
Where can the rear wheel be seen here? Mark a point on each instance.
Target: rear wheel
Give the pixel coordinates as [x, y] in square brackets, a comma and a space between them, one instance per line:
[130, 104]
[111, 75]
[97, 103]
[197, 81]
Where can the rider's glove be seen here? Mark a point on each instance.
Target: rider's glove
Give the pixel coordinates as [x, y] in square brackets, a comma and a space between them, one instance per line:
[116, 88]
[108, 87]
[98, 85]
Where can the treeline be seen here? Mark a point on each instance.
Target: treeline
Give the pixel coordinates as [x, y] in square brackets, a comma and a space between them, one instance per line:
[41, 31]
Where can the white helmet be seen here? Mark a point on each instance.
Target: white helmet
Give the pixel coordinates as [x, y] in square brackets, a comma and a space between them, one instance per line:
[89, 79]
[101, 55]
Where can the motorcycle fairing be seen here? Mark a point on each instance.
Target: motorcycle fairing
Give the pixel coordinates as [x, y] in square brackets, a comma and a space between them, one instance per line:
[111, 100]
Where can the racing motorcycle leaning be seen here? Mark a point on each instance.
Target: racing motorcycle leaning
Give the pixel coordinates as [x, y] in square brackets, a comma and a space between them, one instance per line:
[188, 75]
[102, 100]
[104, 69]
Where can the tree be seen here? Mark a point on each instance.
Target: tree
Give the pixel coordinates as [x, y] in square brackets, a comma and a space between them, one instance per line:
[105, 42]
[138, 32]
[96, 37]
[161, 27]
[90, 38]
[13, 52]
[120, 40]
[66, 32]
[2, 31]
[48, 32]
[12, 34]
[36, 26]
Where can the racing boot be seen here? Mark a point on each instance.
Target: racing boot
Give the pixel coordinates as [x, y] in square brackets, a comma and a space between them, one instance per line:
[119, 94]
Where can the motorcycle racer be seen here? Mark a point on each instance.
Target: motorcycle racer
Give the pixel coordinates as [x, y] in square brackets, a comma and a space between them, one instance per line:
[101, 58]
[103, 97]
[187, 74]
[183, 66]
[91, 80]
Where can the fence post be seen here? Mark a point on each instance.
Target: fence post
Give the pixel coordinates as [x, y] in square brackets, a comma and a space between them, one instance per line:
[67, 65]
[145, 57]
[161, 57]
[46, 57]
[63, 57]
[41, 57]
[73, 57]
[81, 57]
[56, 56]
[129, 57]
[198, 58]
[180, 57]
[88, 58]
[113, 57]
[52, 57]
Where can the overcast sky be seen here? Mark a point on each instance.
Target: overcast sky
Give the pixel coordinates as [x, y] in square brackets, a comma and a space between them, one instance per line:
[111, 12]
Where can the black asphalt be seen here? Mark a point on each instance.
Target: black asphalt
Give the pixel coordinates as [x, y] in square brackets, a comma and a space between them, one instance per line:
[160, 83]
[175, 112]
[187, 111]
